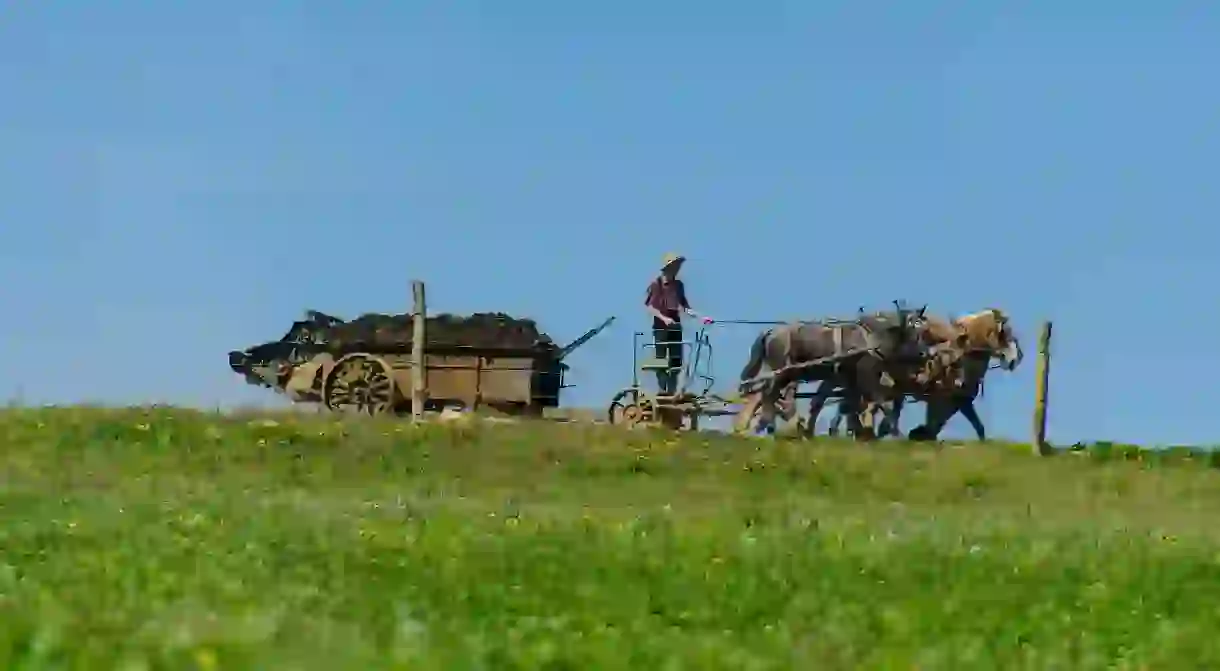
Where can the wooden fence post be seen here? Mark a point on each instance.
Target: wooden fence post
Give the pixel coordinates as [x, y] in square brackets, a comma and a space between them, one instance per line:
[419, 335]
[1042, 389]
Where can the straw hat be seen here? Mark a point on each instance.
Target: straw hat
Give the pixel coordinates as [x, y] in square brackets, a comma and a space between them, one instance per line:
[671, 259]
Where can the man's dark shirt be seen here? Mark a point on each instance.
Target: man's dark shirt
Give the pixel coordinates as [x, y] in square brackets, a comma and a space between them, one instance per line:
[668, 298]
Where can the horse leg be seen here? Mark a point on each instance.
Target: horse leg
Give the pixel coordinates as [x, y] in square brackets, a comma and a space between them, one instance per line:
[872, 395]
[867, 415]
[889, 423]
[848, 405]
[847, 408]
[746, 414]
[767, 408]
[940, 409]
[966, 407]
[855, 428]
[864, 411]
[816, 404]
[843, 410]
[787, 401]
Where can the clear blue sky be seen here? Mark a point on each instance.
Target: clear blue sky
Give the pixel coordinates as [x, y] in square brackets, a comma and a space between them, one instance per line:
[181, 179]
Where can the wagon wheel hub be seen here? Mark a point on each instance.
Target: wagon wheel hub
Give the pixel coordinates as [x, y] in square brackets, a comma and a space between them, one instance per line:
[361, 384]
[633, 415]
[644, 412]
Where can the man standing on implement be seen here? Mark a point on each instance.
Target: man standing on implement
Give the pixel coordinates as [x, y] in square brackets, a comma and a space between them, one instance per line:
[666, 300]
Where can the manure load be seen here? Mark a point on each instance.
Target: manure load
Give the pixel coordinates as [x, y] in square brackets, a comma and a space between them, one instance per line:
[484, 330]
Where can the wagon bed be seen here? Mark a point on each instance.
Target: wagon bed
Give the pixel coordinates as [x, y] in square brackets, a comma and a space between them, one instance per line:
[374, 376]
[510, 380]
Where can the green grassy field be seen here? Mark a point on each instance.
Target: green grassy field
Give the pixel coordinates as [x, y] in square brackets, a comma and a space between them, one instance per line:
[176, 539]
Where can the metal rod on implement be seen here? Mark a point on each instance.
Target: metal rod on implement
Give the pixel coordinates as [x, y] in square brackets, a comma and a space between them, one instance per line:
[761, 322]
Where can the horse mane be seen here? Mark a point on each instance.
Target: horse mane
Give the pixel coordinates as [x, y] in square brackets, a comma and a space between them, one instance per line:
[938, 330]
[981, 329]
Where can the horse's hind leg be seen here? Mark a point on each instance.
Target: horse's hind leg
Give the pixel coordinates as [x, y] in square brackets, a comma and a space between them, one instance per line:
[846, 409]
[895, 429]
[746, 414]
[835, 423]
[893, 415]
[768, 399]
[787, 401]
[865, 414]
[871, 393]
[816, 404]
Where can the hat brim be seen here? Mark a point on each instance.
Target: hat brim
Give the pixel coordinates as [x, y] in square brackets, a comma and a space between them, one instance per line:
[673, 262]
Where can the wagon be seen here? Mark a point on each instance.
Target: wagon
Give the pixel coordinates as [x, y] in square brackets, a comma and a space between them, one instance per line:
[376, 378]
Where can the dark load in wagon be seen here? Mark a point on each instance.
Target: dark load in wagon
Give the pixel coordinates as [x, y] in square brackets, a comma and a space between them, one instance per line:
[483, 330]
[480, 360]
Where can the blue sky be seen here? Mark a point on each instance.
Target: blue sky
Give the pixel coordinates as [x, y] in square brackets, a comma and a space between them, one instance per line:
[181, 179]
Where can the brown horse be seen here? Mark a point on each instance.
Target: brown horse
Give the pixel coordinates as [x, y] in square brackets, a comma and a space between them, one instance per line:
[859, 352]
[958, 357]
[961, 354]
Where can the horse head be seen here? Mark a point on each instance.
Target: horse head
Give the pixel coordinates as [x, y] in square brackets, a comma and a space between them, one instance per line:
[991, 331]
[899, 332]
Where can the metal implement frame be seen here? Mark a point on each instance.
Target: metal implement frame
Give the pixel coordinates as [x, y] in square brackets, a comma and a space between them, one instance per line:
[636, 406]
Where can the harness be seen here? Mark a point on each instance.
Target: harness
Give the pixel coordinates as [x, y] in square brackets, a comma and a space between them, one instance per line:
[869, 326]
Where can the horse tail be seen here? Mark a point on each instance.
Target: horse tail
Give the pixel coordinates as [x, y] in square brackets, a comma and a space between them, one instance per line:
[757, 352]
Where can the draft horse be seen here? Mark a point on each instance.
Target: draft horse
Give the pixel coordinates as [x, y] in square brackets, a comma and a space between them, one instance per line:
[962, 352]
[859, 352]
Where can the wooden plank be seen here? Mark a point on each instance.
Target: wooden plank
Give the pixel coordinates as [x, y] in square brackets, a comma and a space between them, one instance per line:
[507, 379]
[453, 378]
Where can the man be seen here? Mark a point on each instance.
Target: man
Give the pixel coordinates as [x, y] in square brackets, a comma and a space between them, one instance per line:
[666, 301]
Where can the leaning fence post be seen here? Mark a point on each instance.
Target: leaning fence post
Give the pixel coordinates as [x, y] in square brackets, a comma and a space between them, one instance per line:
[1042, 389]
[419, 334]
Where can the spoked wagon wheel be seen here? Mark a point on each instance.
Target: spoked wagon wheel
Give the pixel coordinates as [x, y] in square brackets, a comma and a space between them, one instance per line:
[632, 408]
[359, 383]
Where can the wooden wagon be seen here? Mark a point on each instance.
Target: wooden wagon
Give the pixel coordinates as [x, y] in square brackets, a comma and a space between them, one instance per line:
[508, 380]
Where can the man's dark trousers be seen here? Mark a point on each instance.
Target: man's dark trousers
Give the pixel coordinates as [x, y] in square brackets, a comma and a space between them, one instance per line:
[669, 347]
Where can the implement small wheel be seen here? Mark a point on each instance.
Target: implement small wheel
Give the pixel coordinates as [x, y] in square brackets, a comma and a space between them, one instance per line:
[632, 408]
[360, 383]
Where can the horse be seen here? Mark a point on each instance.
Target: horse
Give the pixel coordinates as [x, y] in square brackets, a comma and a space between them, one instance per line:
[962, 351]
[862, 350]
[950, 377]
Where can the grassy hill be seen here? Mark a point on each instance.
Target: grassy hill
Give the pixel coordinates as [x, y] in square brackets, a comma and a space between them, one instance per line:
[176, 539]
